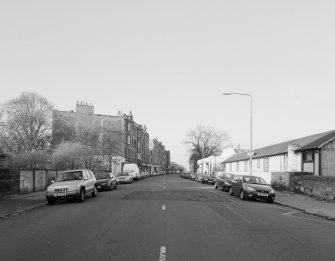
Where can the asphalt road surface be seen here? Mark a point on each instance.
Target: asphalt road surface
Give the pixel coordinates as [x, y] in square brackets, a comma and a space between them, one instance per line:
[166, 218]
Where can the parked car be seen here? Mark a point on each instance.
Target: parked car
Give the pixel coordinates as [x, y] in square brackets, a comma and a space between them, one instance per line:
[208, 178]
[106, 181]
[252, 187]
[72, 184]
[133, 169]
[223, 181]
[192, 176]
[124, 177]
[185, 175]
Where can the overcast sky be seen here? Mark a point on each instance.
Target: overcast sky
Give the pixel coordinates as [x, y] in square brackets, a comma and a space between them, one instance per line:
[170, 61]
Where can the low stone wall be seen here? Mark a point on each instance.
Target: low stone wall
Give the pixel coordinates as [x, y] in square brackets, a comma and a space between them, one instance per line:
[288, 181]
[322, 188]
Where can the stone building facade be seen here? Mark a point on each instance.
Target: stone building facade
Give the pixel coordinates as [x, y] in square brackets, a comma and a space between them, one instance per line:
[130, 140]
[159, 156]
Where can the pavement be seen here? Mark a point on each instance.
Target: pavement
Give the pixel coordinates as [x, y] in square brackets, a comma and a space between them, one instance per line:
[20, 203]
[306, 204]
[17, 204]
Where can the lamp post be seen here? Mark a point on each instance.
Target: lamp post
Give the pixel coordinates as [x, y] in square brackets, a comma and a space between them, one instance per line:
[250, 152]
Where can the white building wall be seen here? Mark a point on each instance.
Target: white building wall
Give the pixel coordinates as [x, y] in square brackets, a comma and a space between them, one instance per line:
[274, 163]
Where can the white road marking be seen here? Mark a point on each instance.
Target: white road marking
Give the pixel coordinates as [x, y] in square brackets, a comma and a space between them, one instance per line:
[163, 207]
[164, 188]
[237, 214]
[289, 214]
[162, 255]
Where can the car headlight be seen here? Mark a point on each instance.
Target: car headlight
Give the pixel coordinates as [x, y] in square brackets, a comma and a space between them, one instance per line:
[72, 188]
[249, 188]
[272, 191]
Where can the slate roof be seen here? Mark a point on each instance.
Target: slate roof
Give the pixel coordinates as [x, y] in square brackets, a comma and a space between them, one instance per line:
[305, 143]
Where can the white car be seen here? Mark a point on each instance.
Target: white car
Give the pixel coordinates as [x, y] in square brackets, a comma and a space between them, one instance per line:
[72, 184]
[124, 177]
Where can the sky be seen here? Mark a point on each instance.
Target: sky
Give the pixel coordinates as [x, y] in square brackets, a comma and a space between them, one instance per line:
[170, 61]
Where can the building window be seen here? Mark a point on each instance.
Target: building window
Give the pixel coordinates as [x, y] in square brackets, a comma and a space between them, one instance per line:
[266, 164]
[101, 122]
[237, 166]
[101, 136]
[307, 156]
[128, 140]
[246, 165]
[258, 163]
[128, 126]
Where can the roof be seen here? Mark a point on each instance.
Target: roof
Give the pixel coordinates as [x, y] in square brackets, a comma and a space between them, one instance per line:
[306, 143]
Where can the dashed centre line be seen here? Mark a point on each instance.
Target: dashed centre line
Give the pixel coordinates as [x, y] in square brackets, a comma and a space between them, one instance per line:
[163, 207]
[162, 255]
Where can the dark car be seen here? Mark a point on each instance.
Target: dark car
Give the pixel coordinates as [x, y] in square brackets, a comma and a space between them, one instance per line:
[106, 181]
[223, 181]
[207, 178]
[192, 176]
[185, 175]
[252, 187]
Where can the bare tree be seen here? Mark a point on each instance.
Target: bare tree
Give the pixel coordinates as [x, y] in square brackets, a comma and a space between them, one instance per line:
[174, 167]
[69, 155]
[206, 141]
[111, 146]
[25, 124]
[192, 160]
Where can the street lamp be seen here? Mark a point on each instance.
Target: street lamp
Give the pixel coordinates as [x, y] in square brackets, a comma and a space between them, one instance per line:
[250, 152]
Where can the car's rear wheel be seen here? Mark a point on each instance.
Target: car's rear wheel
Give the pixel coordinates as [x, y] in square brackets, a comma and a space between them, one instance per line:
[222, 188]
[95, 192]
[82, 195]
[242, 196]
[110, 187]
[231, 192]
[51, 202]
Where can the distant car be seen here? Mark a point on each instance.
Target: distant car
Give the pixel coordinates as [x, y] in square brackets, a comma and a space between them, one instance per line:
[133, 169]
[106, 181]
[192, 176]
[124, 177]
[252, 187]
[185, 175]
[72, 184]
[207, 178]
[223, 181]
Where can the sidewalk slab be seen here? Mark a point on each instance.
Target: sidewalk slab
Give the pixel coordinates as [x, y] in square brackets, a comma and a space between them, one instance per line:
[16, 204]
[306, 204]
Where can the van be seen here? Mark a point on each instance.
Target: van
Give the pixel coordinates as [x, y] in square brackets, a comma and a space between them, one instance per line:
[133, 170]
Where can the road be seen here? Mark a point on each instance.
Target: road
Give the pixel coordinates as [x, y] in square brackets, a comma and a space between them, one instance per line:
[166, 218]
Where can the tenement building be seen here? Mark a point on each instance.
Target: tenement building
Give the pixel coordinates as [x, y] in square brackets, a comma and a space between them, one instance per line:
[118, 135]
[159, 156]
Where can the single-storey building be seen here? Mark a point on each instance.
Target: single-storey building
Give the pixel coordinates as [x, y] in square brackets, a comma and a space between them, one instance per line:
[213, 164]
[313, 154]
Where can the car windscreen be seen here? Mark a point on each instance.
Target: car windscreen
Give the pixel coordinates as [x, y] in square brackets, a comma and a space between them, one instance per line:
[228, 176]
[72, 175]
[123, 174]
[254, 180]
[102, 176]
